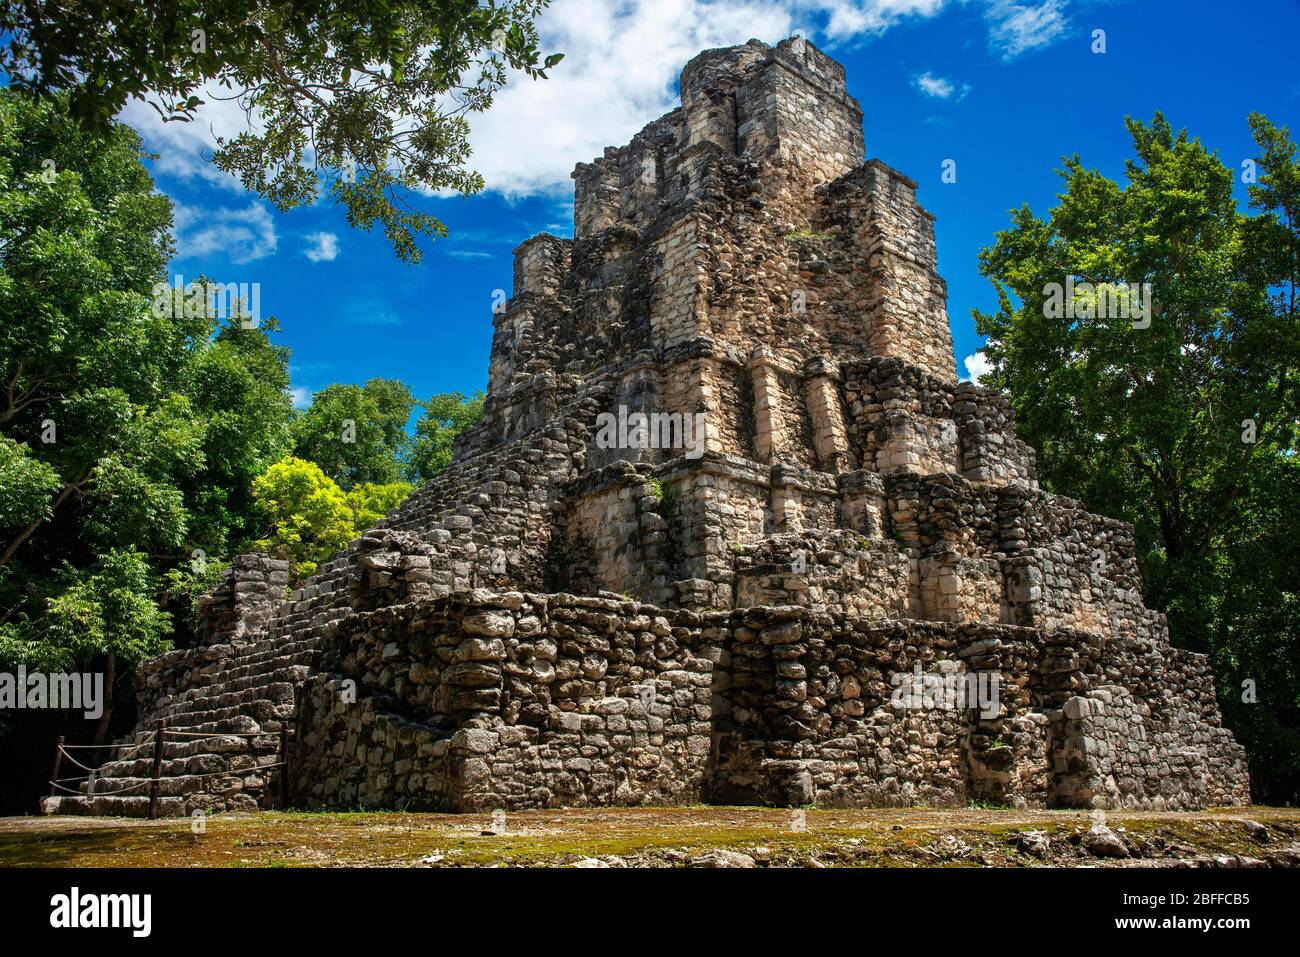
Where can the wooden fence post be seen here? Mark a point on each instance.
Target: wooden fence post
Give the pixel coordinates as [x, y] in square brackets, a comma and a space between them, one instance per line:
[284, 765]
[157, 769]
[58, 763]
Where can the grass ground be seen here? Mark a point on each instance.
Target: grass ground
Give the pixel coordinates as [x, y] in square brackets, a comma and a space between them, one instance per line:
[689, 836]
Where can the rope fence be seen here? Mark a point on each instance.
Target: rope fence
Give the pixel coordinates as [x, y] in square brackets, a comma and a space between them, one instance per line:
[158, 737]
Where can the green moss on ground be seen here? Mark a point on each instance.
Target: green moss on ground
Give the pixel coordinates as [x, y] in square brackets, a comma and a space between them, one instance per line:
[640, 836]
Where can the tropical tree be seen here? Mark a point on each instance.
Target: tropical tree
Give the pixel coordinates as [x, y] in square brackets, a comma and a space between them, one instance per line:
[441, 419]
[1148, 334]
[308, 517]
[356, 433]
[369, 100]
[129, 437]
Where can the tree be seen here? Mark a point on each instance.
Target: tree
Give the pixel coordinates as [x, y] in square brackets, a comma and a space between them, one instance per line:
[94, 429]
[1181, 419]
[371, 99]
[238, 384]
[442, 418]
[306, 514]
[356, 433]
[128, 438]
[369, 503]
[308, 517]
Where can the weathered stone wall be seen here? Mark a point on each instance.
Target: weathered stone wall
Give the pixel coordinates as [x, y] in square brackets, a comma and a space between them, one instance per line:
[507, 700]
[512, 700]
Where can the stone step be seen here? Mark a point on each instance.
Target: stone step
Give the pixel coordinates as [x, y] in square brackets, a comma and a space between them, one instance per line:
[258, 714]
[277, 691]
[195, 757]
[111, 806]
[218, 781]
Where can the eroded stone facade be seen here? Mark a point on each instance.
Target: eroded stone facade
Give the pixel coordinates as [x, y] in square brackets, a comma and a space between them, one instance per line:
[554, 621]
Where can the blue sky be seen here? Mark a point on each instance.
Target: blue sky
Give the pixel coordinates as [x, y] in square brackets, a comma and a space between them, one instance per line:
[1003, 88]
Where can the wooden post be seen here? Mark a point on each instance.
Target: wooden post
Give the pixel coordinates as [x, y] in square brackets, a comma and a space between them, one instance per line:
[58, 763]
[284, 765]
[157, 769]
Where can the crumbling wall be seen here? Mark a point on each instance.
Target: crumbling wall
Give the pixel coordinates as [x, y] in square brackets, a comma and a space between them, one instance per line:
[508, 700]
[513, 700]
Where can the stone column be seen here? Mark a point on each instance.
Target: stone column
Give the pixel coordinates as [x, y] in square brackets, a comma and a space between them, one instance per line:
[769, 424]
[821, 392]
[786, 507]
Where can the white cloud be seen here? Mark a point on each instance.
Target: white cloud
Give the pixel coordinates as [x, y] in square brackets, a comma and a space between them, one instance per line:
[849, 19]
[622, 61]
[323, 248]
[619, 73]
[941, 88]
[300, 397]
[1016, 28]
[977, 366]
[240, 234]
[185, 149]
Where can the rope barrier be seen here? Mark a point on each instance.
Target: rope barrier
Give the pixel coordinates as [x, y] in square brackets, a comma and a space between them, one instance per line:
[129, 787]
[85, 746]
[213, 774]
[78, 763]
[158, 739]
[208, 774]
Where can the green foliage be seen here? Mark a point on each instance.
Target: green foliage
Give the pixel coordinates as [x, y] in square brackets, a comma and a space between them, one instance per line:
[356, 433]
[238, 385]
[1155, 425]
[306, 512]
[369, 99]
[27, 486]
[308, 517]
[128, 441]
[441, 419]
[370, 503]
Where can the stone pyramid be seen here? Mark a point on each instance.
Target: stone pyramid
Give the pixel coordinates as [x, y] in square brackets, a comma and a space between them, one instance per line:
[730, 531]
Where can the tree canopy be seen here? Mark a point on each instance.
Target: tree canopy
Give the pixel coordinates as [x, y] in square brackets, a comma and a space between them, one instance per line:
[366, 101]
[1183, 422]
[442, 418]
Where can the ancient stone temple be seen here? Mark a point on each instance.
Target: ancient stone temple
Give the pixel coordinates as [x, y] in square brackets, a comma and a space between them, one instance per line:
[730, 531]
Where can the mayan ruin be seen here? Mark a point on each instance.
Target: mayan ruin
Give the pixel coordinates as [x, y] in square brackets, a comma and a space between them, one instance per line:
[730, 531]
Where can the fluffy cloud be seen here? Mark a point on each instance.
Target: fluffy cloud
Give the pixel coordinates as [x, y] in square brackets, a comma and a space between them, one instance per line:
[941, 88]
[620, 72]
[242, 234]
[185, 149]
[977, 366]
[1016, 28]
[322, 247]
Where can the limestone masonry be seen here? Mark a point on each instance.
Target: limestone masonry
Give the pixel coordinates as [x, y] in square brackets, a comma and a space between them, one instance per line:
[556, 620]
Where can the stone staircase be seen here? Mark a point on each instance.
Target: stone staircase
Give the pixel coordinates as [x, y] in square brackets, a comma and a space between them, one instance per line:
[224, 702]
[222, 707]
[221, 739]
